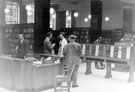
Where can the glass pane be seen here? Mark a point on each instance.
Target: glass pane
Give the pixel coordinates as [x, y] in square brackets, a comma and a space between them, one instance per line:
[12, 16]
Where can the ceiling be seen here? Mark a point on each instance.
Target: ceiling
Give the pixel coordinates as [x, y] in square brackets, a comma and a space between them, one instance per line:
[106, 3]
[67, 1]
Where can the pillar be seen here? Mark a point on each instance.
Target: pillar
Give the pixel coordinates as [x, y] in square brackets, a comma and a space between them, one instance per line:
[129, 17]
[96, 20]
[42, 24]
[96, 26]
[108, 70]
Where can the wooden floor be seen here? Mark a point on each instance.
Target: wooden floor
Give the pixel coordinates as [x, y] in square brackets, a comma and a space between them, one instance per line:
[97, 83]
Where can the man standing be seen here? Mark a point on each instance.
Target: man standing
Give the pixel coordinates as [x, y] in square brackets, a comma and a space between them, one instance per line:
[62, 43]
[72, 52]
[22, 47]
[48, 46]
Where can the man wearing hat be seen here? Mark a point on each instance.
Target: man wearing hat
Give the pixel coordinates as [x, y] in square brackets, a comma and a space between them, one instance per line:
[72, 52]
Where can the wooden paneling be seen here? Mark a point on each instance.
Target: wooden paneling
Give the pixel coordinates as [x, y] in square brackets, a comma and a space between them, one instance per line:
[21, 75]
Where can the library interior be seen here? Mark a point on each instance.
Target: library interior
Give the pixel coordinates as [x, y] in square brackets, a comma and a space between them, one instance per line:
[33, 52]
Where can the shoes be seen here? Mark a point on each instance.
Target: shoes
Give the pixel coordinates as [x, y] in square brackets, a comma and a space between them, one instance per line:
[88, 72]
[74, 86]
[108, 76]
[130, 80]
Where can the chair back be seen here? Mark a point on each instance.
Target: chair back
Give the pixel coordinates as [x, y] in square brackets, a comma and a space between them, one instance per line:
[68, 71]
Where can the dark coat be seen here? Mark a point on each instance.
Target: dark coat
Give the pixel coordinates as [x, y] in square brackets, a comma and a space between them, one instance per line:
[48, 48]
[72, 52]
[22, 49]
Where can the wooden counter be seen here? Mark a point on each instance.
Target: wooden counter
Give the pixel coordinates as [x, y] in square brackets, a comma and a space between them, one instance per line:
[44, 75]
[18, 74]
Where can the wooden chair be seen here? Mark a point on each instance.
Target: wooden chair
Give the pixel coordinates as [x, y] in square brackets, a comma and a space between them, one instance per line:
[64, 78]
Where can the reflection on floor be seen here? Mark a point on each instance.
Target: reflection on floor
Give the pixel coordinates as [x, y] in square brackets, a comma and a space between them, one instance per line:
[97, 83]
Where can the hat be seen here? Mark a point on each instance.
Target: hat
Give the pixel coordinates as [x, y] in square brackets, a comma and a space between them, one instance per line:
[62, 33]
[72, 37]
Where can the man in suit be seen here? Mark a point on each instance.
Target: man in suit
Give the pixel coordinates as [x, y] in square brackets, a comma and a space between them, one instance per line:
[72, 52]
[48, 46]
[22, 47]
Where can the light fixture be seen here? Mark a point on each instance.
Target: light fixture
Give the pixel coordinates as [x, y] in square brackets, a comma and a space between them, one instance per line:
[86, 19]
[67, 13]
[28, 7]
[54, 16]
[29, 13]
[51, 10]
[107, 18]
[76, 14]
[89, 16]
[68, 18]
[6, 10]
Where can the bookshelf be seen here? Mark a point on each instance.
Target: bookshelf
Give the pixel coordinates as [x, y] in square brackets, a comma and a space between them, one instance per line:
[11, 35]
[113, 35]
[81, 33]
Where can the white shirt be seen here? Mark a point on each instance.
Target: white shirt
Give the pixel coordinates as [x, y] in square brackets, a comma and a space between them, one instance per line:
[63, 42]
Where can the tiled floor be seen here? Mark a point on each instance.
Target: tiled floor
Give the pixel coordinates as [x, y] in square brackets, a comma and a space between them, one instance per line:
[97, 83]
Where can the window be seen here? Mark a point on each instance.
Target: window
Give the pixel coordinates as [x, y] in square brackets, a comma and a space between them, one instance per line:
[68, 19]
[30, 13]
[12, 13]
[52, 18]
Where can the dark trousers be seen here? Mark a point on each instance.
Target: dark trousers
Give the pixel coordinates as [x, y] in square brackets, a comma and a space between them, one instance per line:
[75, 75]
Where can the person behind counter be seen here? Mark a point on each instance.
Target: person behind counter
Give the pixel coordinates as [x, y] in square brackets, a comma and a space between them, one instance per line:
[22, 47]
[48, 46]
[72, 52]
[97, 64]
[62, 43]
[127, 38]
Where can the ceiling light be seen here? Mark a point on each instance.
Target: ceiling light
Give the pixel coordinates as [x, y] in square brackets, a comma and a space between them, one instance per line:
[68, 18]
[28, 7]
[86, 19]
[107, 18]
[76, 14]
[89, 16]
[54, 16]
[6, 10]
[67, 13]
[51, 10]
[29, 13]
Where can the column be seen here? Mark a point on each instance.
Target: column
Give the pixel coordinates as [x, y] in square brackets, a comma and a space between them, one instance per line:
[96, 19]
[96, 26]
[129, 17]
[42, 24]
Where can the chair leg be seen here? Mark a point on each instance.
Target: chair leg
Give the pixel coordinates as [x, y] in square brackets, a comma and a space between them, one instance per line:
[55, 85]
[68, 85]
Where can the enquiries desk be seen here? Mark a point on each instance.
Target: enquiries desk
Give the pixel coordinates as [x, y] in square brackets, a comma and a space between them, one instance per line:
[18, 74]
